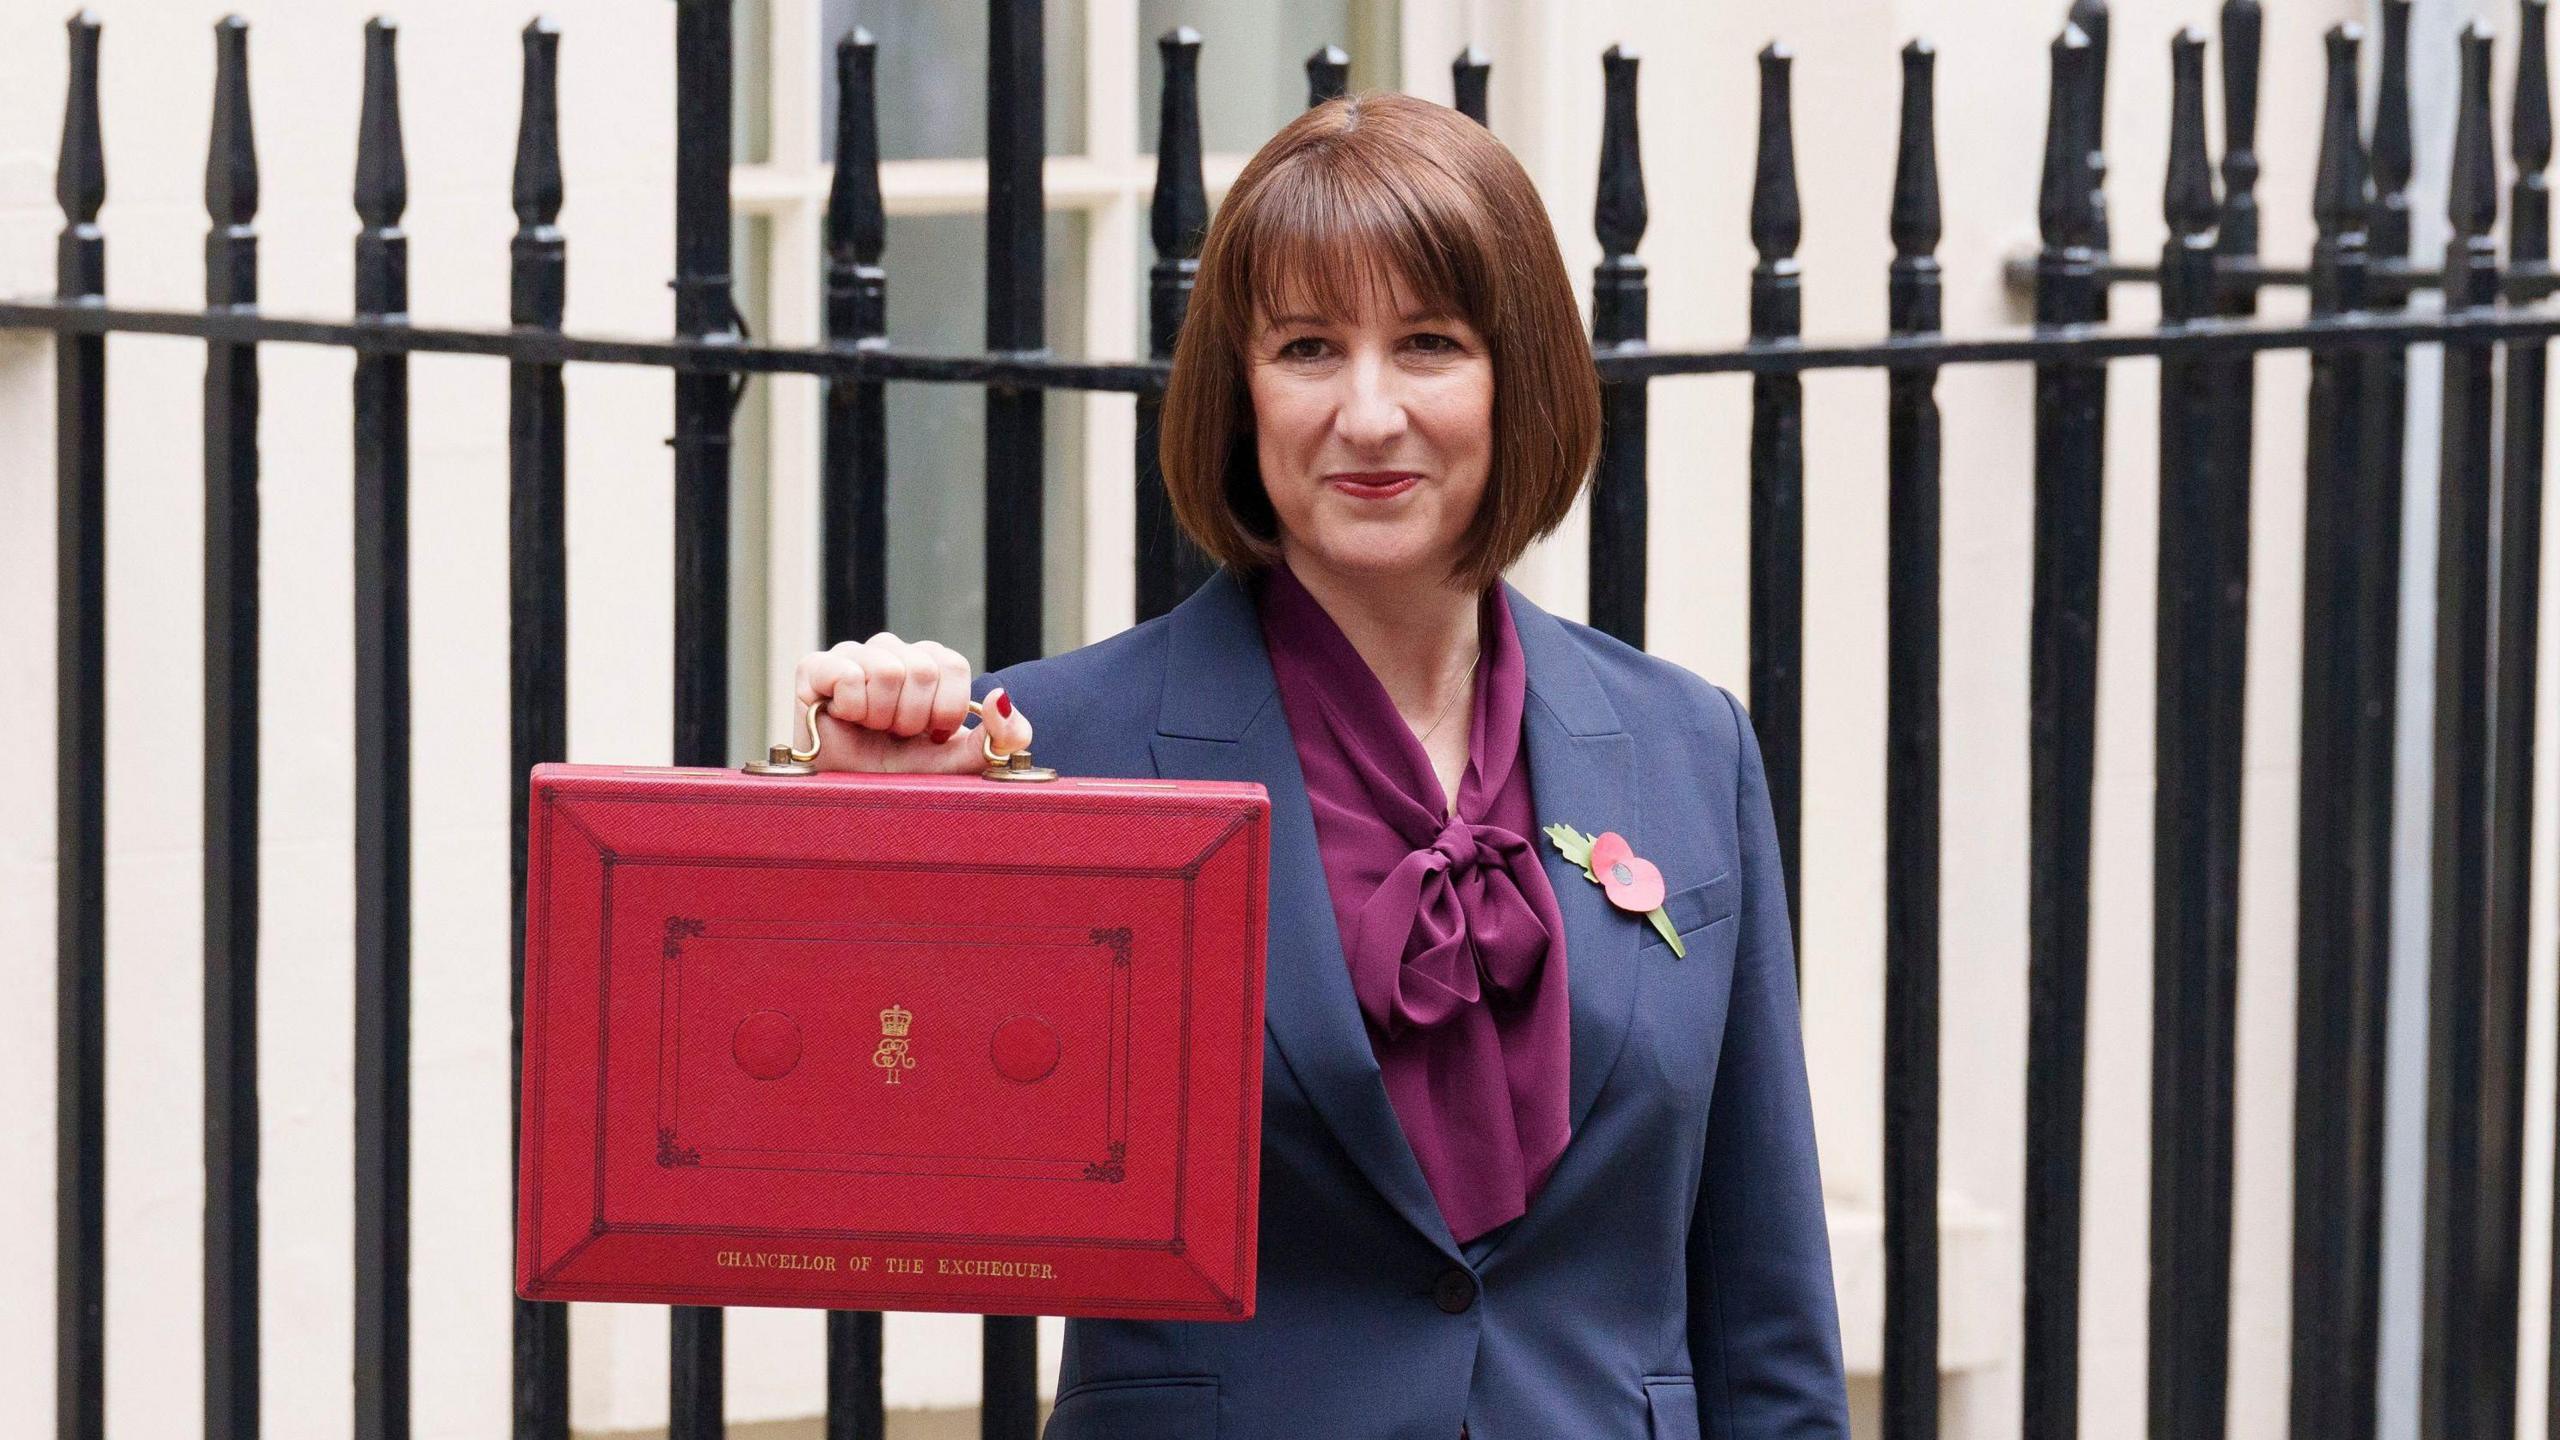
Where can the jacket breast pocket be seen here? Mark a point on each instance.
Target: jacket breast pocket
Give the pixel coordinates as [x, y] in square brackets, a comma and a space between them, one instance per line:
[1693, 909]
[1180, 1407]
[1673, 1401]
[1683, 997]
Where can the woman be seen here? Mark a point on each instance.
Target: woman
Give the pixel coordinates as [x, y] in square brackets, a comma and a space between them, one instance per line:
[1528, 1169]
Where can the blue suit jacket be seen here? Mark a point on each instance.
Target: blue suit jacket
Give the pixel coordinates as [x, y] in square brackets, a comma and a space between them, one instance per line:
[1673, 1278]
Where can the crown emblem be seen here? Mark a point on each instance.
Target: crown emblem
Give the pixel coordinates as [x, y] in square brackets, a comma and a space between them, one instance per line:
[895, 1020]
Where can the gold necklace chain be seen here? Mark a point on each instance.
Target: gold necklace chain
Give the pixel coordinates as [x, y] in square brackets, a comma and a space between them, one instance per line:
[1452, 705]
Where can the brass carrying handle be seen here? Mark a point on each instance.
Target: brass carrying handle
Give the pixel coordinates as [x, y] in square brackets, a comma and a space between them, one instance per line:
[789, 759]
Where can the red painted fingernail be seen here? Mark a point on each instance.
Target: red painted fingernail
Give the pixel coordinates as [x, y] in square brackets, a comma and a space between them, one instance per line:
[941, 735]
[1004, 705]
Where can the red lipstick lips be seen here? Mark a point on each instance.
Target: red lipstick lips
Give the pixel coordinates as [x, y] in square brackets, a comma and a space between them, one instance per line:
[1374, 484]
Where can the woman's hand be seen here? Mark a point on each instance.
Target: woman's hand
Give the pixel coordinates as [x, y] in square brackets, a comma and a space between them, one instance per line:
[897, 705]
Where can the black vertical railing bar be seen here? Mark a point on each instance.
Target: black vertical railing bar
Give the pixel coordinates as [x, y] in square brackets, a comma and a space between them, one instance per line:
[2195, 812]
[2094, 20]
[1468, 78]
[2463, 1330]
[231, 761]
[537, 629]
[1777, 478]
[853, 547]
[2062, 725]
[382, 906]
[2336, 1093]
[1909, 1404]
[1016, 321]
[2513, 647]
[1169, 565]
[704, 309]
[80, 788]
[854, 446]
[1328, 75]
[2381, 465]
[1619, 305]
[1009, 1405]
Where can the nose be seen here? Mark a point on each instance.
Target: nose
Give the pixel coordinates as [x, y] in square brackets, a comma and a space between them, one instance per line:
[1369, 415]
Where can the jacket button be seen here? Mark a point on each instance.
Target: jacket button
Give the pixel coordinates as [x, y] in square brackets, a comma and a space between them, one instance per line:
[1454, 1291]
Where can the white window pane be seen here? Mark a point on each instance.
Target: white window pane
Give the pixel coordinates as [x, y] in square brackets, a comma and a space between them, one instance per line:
[932, 75]
[751, 87]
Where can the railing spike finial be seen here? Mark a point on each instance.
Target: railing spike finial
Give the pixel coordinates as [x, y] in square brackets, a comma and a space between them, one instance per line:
[1777, 212]
[1328, 75]
[231, 159]
[537, 188]
[382, 165]
[2187, 196]
[2095, 21]
[2390, 153]
[857, 220]
[2529, 225]
[1916, 224]
[80, 177]
[1619, 217]
[2338, 192]
[2063, 209]
[2471, 200]
[1180, 212]
[1468, 75]
[2532, 108]
[2243, 32]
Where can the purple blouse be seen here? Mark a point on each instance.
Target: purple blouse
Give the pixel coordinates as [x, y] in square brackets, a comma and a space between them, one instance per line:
[1449, 925]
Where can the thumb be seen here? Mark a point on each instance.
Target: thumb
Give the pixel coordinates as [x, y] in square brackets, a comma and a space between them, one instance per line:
[1002, 722]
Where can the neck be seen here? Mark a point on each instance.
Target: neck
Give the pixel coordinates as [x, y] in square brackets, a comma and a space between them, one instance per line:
[1416, 632]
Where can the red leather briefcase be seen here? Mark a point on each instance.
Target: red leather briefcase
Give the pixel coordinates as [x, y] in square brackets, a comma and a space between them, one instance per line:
[893, 1042]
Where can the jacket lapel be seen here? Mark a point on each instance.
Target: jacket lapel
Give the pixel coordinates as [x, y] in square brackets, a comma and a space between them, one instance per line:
[1582, 773]
[1220, 718]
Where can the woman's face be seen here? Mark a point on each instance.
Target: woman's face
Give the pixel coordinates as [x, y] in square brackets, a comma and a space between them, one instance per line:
[1374, 431]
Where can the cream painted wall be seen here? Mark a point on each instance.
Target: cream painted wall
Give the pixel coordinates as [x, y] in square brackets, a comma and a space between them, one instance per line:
[1698, 103]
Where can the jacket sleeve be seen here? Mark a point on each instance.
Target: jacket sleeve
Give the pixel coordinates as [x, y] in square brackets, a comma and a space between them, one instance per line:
[1764, 1325]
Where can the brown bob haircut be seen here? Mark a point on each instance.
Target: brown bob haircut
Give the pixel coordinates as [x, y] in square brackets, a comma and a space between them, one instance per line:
[1349, 197]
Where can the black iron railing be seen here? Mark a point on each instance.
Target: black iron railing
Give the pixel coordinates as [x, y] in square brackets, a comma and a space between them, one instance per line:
[2358, 335]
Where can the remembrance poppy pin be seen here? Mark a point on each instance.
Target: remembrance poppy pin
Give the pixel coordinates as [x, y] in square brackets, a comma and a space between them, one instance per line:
[1630, 881]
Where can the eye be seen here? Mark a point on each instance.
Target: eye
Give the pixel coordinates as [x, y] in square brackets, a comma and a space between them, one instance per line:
[1305, 347]
[1432, 343]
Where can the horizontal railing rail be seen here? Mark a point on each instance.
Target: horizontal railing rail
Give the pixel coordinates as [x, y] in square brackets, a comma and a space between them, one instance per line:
[1037, 370]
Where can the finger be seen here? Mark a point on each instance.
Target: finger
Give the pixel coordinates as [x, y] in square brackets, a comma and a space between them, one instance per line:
[1008, 728]
[846, 683]
[886, 674]
[951, 697]
[916, 700]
